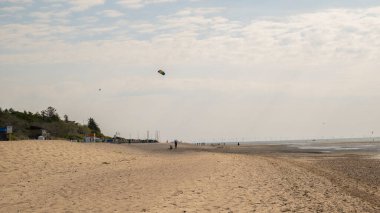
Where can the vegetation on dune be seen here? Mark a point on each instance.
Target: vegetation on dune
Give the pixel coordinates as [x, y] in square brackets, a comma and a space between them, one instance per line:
[28, 125]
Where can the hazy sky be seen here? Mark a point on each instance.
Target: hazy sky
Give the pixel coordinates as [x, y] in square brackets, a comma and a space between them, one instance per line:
[235, 69]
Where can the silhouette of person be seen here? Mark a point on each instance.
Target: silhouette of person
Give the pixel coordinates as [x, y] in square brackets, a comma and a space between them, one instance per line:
[175, 144]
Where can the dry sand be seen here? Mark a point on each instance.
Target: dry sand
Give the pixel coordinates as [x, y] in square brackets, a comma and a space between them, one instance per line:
[59, 176]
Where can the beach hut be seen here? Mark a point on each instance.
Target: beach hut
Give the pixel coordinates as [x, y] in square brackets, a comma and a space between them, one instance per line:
[90, 138]
[36, 131]
[3, 134]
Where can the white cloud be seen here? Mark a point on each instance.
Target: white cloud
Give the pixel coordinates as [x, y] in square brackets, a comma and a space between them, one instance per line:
[89, 19]
[143, 27]
[321, 36]
[112, 13]
[53, 17]
[17, 1]
[11, 9]
[137, 4]
[200, 11]
[81, 5]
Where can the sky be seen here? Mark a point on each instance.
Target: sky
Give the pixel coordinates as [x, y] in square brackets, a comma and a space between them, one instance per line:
[236, 70]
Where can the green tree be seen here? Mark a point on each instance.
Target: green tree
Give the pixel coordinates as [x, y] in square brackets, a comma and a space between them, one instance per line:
[50, 114]
[43, 114]
[93, 126]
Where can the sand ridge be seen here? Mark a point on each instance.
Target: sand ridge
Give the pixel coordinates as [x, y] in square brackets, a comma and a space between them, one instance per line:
[60, 176]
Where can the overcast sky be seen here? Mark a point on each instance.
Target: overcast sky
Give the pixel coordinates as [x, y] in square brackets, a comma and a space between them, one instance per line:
[235, 69]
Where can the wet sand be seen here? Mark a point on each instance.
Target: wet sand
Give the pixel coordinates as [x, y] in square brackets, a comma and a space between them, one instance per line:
[60, 176]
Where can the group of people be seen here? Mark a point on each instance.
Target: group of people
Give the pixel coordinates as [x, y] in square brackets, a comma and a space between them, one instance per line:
[175, 144]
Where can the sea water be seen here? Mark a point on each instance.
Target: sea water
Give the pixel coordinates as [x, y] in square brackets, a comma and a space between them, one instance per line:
[322, 145]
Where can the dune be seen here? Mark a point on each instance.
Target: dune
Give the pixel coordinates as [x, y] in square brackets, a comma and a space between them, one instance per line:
[61, 176]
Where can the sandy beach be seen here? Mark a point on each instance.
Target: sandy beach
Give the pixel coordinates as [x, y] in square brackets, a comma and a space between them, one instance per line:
[61, 176]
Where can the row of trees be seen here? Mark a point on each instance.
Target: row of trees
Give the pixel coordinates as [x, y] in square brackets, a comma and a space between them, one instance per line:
[49, 115]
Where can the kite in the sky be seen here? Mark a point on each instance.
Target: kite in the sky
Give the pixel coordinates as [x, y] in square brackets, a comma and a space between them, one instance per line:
[161, 72]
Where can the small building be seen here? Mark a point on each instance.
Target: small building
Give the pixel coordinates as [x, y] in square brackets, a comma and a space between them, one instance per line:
[3, 134]
[91, 138]
[36, 131]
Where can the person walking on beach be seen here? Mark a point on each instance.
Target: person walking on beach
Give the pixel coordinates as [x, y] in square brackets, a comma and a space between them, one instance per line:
[175, 144]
